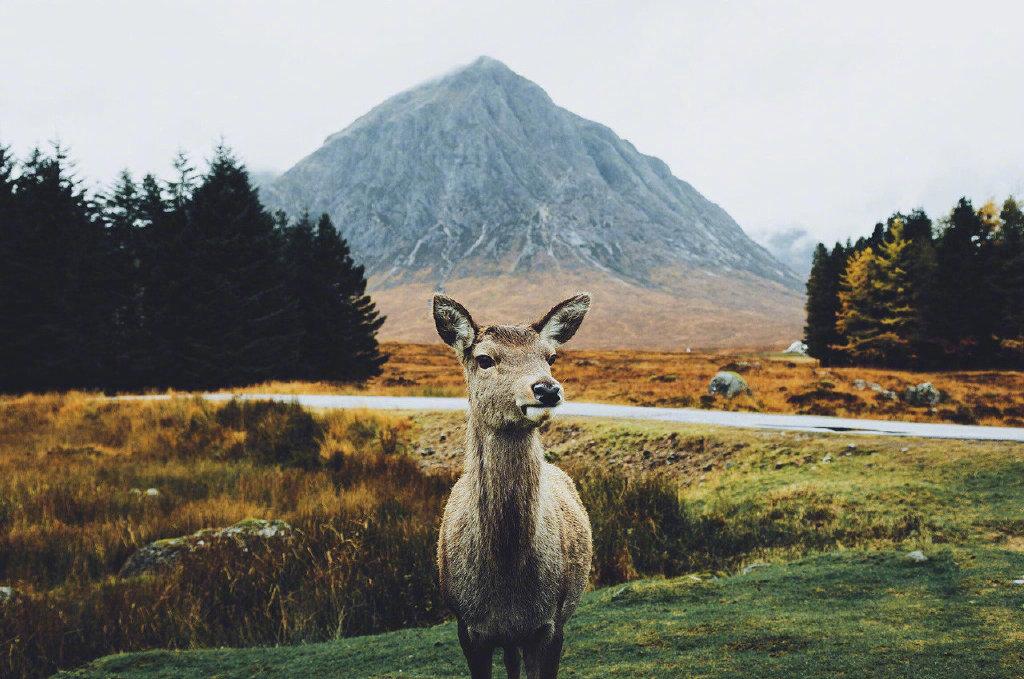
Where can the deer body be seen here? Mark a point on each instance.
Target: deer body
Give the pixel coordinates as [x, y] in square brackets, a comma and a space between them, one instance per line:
[515, 548]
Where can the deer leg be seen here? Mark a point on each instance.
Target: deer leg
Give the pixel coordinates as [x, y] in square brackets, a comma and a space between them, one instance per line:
[543, 653]
[513, 661]
[479, 654]
[551, 657]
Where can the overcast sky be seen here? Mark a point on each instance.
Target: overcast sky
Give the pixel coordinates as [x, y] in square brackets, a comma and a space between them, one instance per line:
[784, 113]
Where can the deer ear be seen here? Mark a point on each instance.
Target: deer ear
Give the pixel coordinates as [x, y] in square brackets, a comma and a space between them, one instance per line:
[454, 324]
[562, 322]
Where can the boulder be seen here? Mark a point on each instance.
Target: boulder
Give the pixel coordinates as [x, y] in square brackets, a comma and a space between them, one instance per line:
[923, 394]
[917, 556]
[797, 347]
[163, 554]
[728, 384]
[6, 594]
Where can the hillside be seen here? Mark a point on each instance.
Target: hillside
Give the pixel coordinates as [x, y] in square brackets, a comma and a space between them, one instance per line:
[857, 614]
[478, 183]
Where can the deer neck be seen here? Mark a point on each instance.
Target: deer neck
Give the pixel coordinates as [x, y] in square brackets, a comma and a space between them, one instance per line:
[505, 467]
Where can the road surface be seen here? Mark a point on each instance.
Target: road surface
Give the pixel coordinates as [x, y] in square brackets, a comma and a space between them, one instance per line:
[717, 418]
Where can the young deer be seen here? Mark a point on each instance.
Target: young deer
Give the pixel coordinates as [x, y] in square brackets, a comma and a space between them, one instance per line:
[514, 550]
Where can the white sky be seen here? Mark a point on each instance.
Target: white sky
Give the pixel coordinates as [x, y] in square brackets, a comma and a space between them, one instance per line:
[785, 113]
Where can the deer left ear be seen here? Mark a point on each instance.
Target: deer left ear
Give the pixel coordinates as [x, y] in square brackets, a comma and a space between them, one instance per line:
[564, 319]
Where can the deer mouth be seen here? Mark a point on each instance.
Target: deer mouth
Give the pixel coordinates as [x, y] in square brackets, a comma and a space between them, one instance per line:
[536, 412]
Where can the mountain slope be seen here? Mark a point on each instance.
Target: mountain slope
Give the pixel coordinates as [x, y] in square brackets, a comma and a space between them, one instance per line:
[478, 176]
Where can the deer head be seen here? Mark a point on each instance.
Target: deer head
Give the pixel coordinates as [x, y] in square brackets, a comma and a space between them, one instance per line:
[508, 367]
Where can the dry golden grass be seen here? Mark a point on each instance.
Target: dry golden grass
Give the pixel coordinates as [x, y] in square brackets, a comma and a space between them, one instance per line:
[366, 513]
[780, 384]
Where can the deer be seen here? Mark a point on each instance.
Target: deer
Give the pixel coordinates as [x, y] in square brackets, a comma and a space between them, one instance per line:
[514, 549]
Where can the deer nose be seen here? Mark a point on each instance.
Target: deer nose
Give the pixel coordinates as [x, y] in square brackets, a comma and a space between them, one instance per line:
[548, 393]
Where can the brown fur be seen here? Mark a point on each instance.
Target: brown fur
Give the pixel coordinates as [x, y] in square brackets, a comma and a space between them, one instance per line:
[515, 547]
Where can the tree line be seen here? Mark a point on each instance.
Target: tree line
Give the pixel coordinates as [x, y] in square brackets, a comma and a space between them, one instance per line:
[921, 295]
[188, 283]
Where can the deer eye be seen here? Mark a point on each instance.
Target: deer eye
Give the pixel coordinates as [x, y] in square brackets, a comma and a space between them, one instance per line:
[485, 361]
[552, 358]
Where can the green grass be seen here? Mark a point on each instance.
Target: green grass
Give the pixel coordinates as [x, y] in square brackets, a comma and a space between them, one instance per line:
[844, 614]
[664, 499]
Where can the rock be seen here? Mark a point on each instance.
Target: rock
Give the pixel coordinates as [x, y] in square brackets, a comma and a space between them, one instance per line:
[152, 492]
[162, 554]
[6, 594]
[797, 347]
[861, 385]
[728, 384]
[917, 556]
[888, 395]
[1019, 581]
[750, 568]
[827, 459]
[923, 394]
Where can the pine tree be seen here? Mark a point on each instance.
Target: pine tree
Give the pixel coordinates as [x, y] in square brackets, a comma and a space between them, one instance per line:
[339, 321]
[121, 210]
[859, 321]
[822, 305]
[899, 300]
[10, 231]
[1009, 279]
[57, 268]
[312, 299]
[361, 320]
[961, 319]
[240, 325]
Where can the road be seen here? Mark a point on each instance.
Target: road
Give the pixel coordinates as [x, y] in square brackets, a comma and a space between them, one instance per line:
[717, 418]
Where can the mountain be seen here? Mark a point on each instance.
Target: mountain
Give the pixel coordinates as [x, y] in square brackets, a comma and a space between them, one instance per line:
[476, 182]
[793, 246]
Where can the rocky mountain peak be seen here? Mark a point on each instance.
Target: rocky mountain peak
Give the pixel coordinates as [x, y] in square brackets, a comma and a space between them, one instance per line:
[479, 173]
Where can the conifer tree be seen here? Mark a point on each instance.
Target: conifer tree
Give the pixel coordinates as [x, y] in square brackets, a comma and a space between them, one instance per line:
[56, 265]
[121, 210]
[1009, 278]
[9, 303]
[859, 321]
[239, 325]
[901, 332]
[961, 316]
[822, 305]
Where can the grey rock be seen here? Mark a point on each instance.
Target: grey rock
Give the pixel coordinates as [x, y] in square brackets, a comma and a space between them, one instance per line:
[750, 568]
[924, 394]
[728, 384]
[917, 556]
[480, 173]
[797, 347]
[827, 459]
[152, 492]
[162, 554]
[6, 594]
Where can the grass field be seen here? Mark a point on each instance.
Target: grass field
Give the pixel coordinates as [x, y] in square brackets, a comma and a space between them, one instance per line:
[847, 614]
[365, 491]
[780, 384]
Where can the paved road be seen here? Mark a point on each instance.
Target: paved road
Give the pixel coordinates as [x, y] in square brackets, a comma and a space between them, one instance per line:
[807, 423]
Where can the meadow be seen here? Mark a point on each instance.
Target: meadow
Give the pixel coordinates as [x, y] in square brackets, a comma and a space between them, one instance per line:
[779, 383]
[363, 492]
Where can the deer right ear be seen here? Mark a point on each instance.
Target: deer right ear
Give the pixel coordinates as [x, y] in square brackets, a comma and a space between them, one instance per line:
[454, 324]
